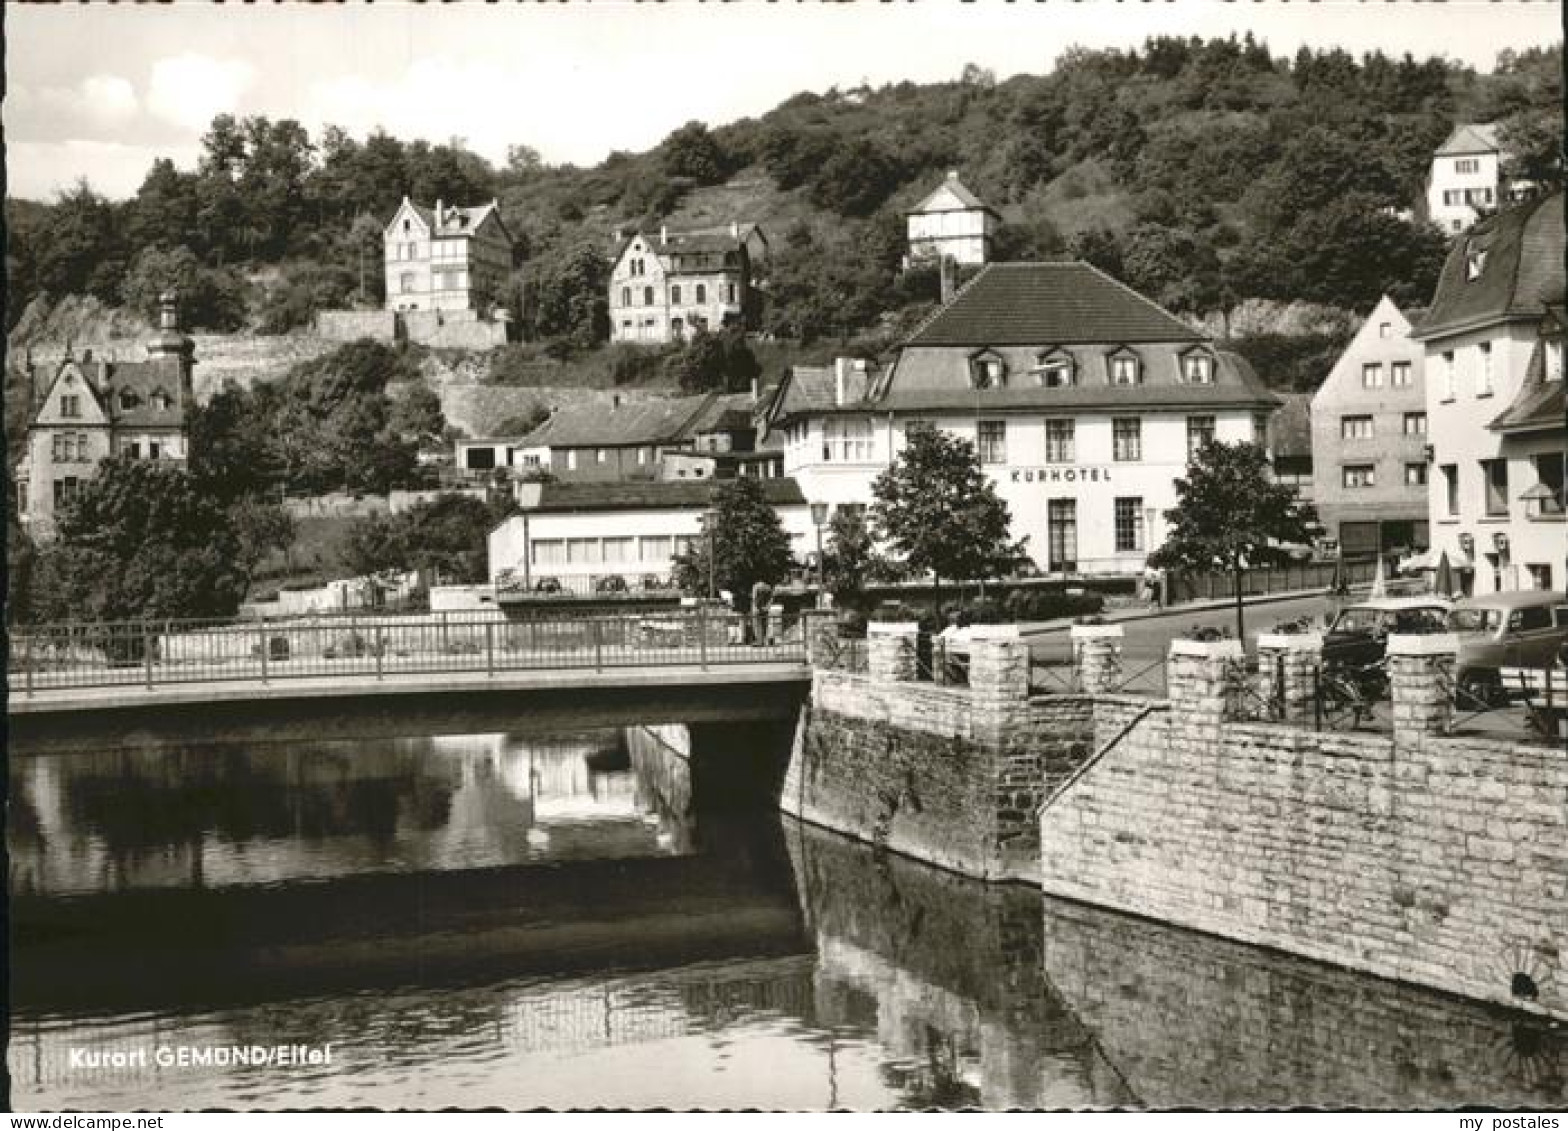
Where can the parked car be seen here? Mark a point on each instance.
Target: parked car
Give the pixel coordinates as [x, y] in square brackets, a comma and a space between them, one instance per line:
[1359, 635]
[547, 585]
[1525, 629]
[613, 583]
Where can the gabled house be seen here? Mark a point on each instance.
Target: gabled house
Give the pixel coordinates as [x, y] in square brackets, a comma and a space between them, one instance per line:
[86, 409]
[1466, 177]
[951, 222]
[1493, 341]
[1369, 440]
[666, 286]
[1083, 399]
[446, 258]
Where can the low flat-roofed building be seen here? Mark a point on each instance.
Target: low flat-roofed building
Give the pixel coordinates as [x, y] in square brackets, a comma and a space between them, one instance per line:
[578, 534]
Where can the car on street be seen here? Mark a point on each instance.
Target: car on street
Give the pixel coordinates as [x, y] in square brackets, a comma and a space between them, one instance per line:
[1524, 629]
[1358, 637]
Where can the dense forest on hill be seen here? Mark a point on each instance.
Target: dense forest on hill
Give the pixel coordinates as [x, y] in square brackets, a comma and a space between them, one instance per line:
[1204, 173]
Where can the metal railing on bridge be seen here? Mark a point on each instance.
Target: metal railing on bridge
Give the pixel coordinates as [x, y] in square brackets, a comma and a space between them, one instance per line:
[127, 654]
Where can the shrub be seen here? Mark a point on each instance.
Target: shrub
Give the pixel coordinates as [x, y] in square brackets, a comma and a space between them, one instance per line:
[1051, 604]
[852, 624]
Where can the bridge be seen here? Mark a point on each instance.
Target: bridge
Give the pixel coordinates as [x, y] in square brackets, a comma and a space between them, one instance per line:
[679, 658]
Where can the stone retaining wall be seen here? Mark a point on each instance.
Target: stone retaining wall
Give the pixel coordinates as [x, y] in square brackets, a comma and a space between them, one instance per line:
[1429, 858]
[949, 775]
[1441, 861]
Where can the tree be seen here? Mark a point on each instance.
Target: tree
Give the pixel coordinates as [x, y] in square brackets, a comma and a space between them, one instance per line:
[372, 545]
[937, 511]
[231, 443]
[449, 534]
[141, 540]
[692, 152]
[747, 539]
[709, 362]
[850, 557]
[571, 302]
[209, 299]
[417, 416]
[1230, 515]
[260, 528]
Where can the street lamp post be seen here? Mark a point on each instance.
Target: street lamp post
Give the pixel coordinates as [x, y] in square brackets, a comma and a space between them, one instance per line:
[819, 518]
[711, 521]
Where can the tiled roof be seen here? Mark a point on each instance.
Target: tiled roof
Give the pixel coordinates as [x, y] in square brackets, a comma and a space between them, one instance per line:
[1521, 274]
[142, 379]
[960, 190]
[809, 389]
[723, 412]
[108, 380]
[640, 422]
[469, 217]
[1049, 304]
[1470, 138]
[928, 377]
[1290, 428]
[564, 497]
[1539, 404]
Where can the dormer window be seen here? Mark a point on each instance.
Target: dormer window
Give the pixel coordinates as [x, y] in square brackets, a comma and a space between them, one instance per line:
[1125, 368]
[128, 400]
[987, 370]
[1055, 370]
[160, 401]
[1475, 263]
[1197, 368]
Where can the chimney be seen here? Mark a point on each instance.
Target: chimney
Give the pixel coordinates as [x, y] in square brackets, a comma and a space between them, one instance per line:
[87, 355]
[840, 364]
[664, 233]
[440, 213]
[945, 274]
[952, 174]
[756, 392]
[734, 229]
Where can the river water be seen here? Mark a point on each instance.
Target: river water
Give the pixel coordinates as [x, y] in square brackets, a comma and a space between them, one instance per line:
[524, 921]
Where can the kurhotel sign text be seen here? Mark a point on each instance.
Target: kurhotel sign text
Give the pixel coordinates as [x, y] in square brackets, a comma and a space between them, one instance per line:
[1060, 475]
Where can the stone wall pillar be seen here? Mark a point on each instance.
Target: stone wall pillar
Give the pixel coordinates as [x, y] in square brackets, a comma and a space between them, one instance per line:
[1097, 656]
[1287, 670]
[822, 639]
[891, 651]
[998, 680]
[1203, 681]
[1421, 685]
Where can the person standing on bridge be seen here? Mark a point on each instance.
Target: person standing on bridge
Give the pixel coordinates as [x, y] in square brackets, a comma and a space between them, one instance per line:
[761, 598]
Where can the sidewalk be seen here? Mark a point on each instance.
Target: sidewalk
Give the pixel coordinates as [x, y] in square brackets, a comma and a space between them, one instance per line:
[1120, 616]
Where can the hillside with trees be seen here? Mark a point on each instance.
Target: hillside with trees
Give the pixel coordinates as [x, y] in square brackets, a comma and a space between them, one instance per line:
[1207, 174]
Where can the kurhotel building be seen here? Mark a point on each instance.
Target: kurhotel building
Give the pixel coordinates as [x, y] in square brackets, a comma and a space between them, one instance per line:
[1494, 386]
[1083, 398]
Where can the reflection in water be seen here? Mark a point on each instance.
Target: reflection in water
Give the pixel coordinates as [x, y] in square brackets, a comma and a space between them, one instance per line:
[434, 911]
[211, 817]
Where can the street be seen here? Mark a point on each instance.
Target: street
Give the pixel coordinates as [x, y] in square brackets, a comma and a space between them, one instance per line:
[1147, 638]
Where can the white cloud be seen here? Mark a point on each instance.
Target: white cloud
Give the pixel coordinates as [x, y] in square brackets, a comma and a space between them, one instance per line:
[109, 97]
[37, 170]
[188, 90]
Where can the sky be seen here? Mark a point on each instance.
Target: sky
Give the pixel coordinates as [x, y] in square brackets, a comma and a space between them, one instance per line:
[99, 92]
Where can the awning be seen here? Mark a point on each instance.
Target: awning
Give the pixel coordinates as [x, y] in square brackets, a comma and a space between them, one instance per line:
[1418, 562]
